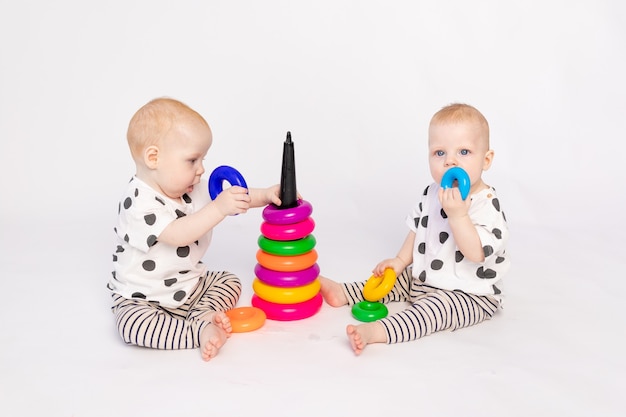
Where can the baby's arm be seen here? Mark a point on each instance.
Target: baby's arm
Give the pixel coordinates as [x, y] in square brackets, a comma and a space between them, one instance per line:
[403, 259]
[187, 229]
[463, 230]
[264, 196]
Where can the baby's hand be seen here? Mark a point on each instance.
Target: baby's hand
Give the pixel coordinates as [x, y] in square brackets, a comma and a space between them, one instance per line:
[393, 263]
[272, 195]
[452, 202]
[233, 200]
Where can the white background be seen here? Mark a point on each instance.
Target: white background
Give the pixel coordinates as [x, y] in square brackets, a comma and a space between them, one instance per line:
[356, 83]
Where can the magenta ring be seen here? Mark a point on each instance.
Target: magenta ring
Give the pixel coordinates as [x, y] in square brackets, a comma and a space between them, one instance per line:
[288, 312]
[287, 279]
[288, 231]
[275, 215]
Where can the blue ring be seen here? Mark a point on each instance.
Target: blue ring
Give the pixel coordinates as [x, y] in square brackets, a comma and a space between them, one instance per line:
[221, 174]
[459, 174]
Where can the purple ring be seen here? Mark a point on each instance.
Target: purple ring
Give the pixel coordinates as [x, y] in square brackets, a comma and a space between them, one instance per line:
[275, 215]
[287, 279]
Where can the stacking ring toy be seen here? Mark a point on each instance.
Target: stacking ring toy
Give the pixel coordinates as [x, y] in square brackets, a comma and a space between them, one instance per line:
[377, 287]
[286, 295]
[221, 174]
[275, 215]
[287, 247]
[246, 319]
[292, 231]
[458, 174]
[287, 312]
[367, 311]
[286, 263]
[286, 278]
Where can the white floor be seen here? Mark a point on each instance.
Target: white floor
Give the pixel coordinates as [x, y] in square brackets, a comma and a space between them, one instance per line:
[556, 349]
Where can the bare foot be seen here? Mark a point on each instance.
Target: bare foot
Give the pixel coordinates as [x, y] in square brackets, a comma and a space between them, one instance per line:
[332, 292]
[214, 335]
[364, 334]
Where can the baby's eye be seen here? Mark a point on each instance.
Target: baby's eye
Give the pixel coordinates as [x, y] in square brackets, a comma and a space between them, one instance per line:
[464, 152]
[440, 153]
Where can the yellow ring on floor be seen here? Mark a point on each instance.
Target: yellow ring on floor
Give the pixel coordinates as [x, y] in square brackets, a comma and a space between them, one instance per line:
[286, 295]
[377, 287]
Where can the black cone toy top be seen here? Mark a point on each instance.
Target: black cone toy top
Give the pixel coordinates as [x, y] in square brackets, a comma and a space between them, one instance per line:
[288, 191]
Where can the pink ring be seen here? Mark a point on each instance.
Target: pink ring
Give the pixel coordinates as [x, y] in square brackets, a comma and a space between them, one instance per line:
[288, 231]
[275, 215]
[288, 312]
[286, 278]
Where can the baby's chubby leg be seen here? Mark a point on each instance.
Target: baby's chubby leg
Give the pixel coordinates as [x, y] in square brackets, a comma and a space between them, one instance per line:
[332, 292]
[214, 334]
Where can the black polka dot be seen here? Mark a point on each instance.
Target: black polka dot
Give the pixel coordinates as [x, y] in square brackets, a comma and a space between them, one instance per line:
[421, 248]
[416, 221]
[499, 259]
[425, 221]
[170, 281]
[496, 290]
[180, 214]
[197, 243]
[136, 192]
[159, 199]
[503, 216]
[179, 295]
[119, 249]
[487, 250]
[126, 238]
[186, 198]
[436, 264]
[443, 214]
[426, 190]
[182, 252]
[150, 219]
[183, 272]
[485, 273]
[138, 295]
[421, 208]
[114, 275]
[148, 265]
[114, 258]
[119, 208]
[496, 204]
[497, 233]
[422, 276]
[458, 256]
[151, 241]
[128, 202]
[443, 236]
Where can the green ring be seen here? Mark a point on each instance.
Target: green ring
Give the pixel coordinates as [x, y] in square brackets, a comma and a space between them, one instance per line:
[369, 311]
[287, 247]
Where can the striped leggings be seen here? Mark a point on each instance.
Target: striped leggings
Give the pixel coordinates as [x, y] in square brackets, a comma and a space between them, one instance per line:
[147, 324]
[432, 309]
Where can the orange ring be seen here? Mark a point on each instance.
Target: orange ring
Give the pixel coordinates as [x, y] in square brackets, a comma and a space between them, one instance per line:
[286, 263]
[246, 319]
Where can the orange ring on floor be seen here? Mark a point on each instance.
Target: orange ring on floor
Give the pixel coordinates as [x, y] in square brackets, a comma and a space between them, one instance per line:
[377, 287]
[246, 319]
[286, 263]
[286, 295]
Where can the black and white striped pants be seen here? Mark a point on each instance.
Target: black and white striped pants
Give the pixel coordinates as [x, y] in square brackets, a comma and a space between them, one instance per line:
[432, 309]
[147, 324]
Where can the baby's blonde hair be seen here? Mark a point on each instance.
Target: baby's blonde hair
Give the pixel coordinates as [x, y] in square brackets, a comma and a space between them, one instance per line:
[153, 120]
[461, 113]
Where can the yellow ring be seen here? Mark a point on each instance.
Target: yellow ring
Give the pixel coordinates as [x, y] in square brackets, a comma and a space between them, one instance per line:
[286, 295]
[377, 287]
[286, 263]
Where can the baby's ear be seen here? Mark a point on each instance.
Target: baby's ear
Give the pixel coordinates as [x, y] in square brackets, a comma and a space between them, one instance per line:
[151, 156]
[488, 159]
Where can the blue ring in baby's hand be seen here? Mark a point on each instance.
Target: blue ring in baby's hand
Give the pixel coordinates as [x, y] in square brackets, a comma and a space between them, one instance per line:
[458, 174]
[221, 174]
